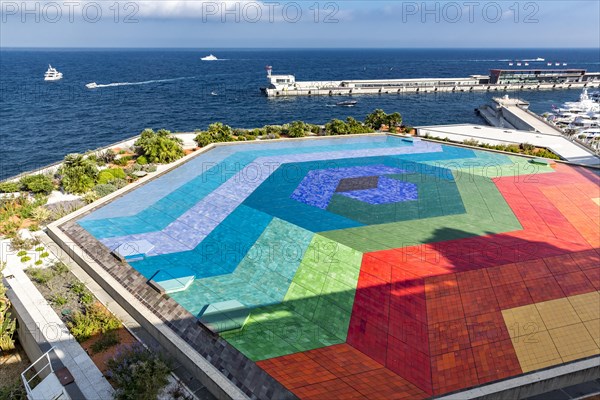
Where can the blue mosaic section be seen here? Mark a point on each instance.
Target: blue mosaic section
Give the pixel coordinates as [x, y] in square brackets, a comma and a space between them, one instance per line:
[387, 191]
[317, 188]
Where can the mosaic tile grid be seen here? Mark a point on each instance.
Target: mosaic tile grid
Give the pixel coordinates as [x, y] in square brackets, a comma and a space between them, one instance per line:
[427, 267]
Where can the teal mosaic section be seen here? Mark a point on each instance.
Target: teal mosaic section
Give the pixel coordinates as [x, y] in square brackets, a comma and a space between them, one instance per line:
[261, 278]
[316, 309]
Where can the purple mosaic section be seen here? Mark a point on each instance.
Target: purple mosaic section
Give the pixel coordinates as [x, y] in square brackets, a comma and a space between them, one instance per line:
[387, 191]
[187, 231]
[317, 188]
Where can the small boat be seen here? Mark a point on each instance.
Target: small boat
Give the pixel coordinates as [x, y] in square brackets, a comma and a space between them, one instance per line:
[549, 64]
[52, 74]
[511, 64]
[526, 64]
[557, 64]
[540, 59]
[209, 57]
[214, 94]
[518, 64]
[92, 85]
[347, 103]
[564, 64]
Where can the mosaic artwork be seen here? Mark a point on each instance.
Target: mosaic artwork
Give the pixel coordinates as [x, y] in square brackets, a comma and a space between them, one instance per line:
[372, 267]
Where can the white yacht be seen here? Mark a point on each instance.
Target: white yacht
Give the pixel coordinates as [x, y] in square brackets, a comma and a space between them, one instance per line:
[92, 85]
[52, 74]
[209, 57]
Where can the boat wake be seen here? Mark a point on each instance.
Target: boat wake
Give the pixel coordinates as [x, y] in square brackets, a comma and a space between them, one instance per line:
[95, 85]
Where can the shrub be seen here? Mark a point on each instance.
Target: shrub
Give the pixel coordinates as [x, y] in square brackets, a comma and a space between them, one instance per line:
[19, 243]
[104, 189]
[160, 147]
[354, 126]
[378, 118]
[39, 248]
[336, 127]
[25, 259]
[60, 268]
[87, 298]
[78, 288]
[314, 128]
[471, 142]
[138, 374]
[90, 197]
[107, 156]
[96, 319]
[40, 214]
[216, 133]
[297, 129]
[38, 262]
[122, 161]
[9, 187]
[142, 160]
[106, 341]
[7, 324]
[37, 183]
[119, 183]
[149, 168]
[109, 175]
[21, 253]
[40, 275]
[44, 254]
[59, 300]
[273, 129]
[78, 173]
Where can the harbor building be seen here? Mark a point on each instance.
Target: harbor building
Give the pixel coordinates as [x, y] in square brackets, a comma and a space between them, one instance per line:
[497, 80]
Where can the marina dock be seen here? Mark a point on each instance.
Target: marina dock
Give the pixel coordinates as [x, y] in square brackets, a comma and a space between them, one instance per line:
[497, 80]
[512, 113]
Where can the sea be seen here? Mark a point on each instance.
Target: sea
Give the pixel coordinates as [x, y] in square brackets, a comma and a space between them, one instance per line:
[41, 122]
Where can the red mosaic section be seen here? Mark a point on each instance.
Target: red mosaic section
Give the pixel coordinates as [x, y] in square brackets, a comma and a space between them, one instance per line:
[339, 372]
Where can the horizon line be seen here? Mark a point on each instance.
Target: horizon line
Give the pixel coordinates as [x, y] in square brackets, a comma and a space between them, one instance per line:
[291, 48]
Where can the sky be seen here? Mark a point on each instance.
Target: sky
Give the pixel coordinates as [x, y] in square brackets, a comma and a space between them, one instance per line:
[300, 24]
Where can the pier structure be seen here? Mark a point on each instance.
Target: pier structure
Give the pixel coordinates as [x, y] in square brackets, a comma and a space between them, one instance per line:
[513, 113]
[498, 80]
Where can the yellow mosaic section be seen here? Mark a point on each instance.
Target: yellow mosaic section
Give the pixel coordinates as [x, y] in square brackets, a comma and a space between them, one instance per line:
[554, 332]
[596, 200]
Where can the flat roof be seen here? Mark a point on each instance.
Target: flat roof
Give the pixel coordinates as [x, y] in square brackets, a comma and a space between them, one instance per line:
[371, 266]
[562, 146]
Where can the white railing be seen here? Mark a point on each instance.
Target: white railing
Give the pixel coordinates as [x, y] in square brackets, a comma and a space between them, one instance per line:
[48, 386]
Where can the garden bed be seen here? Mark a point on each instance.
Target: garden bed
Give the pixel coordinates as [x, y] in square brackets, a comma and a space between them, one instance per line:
[100, 334]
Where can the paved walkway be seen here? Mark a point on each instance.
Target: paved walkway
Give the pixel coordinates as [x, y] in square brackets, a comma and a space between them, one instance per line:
[512, 106]
[47, 327]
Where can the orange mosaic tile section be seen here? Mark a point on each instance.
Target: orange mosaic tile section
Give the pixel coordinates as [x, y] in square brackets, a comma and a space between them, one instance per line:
[339, 372]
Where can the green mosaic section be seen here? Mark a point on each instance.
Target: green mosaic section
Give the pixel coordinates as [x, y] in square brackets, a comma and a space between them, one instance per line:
[486, 213]
[437, 196]
[316, 309]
